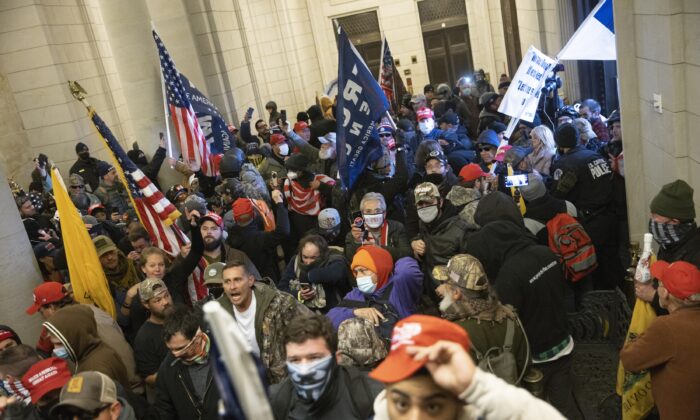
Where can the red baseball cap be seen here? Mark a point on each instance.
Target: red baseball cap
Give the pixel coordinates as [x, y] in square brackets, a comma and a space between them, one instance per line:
[471, 172]
[45, 376]
[214, 218]
[300, 126]
[45, 293]
[242, 210]
[424, 113]
[681, 279]
[415, 330]
[277, 139]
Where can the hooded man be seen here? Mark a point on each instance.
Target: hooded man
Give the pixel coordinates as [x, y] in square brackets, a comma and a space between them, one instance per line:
[120, 271]
[86, 166]
[529, 277]
[73, 332]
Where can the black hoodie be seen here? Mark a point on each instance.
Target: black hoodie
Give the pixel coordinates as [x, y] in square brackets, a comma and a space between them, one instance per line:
[525, 275]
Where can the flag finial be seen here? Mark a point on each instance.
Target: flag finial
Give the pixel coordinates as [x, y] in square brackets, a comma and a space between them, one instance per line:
[78, 92]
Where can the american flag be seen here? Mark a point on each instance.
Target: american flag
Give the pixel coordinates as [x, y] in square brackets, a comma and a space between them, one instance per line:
[156, 212]
[193, 143]
[390, 79]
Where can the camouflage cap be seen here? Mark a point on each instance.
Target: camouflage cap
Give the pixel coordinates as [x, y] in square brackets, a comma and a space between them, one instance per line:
[75, 180]
[359, 343]
[150, 288]
[426, 191]
[464, 271]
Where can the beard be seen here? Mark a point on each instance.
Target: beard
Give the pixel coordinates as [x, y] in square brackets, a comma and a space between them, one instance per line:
[164, 313]
[212, 244]
[446, 302]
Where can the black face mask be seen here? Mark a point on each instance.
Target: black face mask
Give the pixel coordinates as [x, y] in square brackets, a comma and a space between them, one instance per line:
[330, 235]
[84, 155]
[434, 178]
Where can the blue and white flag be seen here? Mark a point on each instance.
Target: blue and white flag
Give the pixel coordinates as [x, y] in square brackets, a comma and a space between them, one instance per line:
[361, 104]
[595, 38]
[210, 120]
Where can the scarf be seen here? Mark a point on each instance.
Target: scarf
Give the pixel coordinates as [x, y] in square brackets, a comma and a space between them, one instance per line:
[202, 352]
[125, 275]
[383, 239]
[667, 234]
[305, 200]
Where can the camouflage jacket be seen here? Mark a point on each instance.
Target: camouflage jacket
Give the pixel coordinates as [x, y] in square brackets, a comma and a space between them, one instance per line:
[272, 315]
[467, 199]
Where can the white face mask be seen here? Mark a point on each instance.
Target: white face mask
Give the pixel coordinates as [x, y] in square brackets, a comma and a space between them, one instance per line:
[284, 149]
[365, 284]
[373, 220]
[291, 175]
[427, 125]
[326, 153]
[428, 214]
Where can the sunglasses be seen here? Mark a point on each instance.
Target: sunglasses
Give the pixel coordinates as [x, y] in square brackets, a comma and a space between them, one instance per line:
[485, 149]
[70, 413]
[77, 187]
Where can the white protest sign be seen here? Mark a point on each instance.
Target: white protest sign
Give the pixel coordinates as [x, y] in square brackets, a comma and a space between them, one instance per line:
[520, 101]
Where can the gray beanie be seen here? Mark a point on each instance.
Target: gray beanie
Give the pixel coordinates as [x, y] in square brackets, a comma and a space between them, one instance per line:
[535, 187]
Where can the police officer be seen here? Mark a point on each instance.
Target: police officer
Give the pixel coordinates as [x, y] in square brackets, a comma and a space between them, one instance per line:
[584, 178]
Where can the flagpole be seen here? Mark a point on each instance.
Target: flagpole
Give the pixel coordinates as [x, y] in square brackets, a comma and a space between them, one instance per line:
[165, 107]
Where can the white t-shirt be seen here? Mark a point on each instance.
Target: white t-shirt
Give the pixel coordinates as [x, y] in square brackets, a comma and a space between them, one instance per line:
[246, 322]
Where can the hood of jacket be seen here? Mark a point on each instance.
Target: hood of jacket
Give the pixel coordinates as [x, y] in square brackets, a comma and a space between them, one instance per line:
[496, 241]
[497, 206]
[76, 328]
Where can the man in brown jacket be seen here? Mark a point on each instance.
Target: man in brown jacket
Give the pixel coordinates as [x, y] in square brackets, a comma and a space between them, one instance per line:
[73, 331]
[669, 347]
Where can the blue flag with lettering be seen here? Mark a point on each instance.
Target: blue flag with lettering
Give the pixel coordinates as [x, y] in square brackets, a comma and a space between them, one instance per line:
[210, 120]
[361, 104]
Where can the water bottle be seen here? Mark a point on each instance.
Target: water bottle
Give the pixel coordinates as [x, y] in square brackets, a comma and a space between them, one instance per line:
[643, 274]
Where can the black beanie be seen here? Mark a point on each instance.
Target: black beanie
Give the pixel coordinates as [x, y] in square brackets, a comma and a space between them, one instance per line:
[80, 146]
[298, 162]
[566, 135]
[675, 201]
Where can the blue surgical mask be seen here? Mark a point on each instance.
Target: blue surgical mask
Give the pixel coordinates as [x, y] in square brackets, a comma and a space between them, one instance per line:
[365, 284]
[310, 379]
[61, 352]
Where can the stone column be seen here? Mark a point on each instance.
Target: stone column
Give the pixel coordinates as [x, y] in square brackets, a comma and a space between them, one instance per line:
[20, 271]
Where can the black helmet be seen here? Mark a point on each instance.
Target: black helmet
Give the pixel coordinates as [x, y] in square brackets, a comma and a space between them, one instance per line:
[487, 98]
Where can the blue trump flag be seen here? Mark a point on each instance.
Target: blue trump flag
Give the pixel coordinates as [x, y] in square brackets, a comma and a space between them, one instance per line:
[361, 104]
[210, 120]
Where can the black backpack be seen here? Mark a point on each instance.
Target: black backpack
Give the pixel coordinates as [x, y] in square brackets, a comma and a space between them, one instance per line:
[391, 316]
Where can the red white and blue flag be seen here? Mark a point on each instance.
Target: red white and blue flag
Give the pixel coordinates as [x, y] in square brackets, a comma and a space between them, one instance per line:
[595, 38]
[156, 212]
[193, 143]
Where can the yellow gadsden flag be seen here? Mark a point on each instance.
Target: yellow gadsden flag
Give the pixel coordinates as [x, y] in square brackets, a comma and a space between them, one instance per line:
[86, 274]
[635, 388]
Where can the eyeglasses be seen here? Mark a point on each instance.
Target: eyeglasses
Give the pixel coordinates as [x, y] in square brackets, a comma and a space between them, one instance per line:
[485, 149]
[70, 413]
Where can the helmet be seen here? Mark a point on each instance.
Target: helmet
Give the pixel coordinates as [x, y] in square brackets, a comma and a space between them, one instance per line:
[487, 99]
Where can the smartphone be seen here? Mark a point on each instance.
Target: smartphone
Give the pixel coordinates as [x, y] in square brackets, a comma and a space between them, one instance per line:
[249, 112]
[283, 116]
[516, 180]
[357, 220]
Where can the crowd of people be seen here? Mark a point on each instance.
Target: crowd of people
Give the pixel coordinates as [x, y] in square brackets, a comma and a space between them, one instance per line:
[438, 286]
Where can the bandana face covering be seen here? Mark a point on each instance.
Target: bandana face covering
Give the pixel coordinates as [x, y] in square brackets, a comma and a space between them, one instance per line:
[310, 379]
[202, 353]
[669, 234]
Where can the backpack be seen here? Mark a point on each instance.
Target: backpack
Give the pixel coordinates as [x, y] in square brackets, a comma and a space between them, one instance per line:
[391, 316]
[500, 360]
[570, 242]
